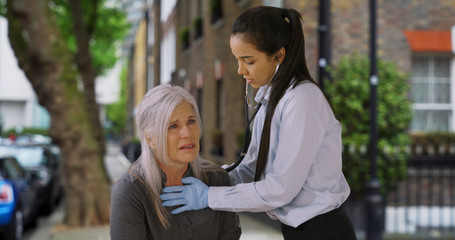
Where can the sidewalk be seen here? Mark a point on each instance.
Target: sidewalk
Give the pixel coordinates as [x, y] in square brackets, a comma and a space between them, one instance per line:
[117, 164]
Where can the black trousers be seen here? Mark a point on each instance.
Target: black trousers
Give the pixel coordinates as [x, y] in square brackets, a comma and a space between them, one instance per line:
[333, 225]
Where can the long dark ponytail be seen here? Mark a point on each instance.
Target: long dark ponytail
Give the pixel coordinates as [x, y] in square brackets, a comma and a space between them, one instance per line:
[270, 29]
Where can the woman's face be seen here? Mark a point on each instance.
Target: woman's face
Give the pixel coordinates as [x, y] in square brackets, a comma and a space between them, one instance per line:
[183, 135]
[256, 67]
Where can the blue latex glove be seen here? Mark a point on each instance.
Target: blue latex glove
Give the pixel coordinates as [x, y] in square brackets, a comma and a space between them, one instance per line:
[193, 195]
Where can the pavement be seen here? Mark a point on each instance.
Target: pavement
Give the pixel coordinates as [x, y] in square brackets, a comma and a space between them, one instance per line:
[254, 226]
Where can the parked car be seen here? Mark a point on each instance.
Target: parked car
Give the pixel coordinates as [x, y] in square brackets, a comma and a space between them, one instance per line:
[31, 139]
[43, 162]
[18, 199]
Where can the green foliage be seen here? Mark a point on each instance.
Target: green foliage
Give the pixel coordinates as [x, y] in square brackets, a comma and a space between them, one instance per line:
[216, 10]
[25, 131]
[184, 34]
[107, 26]
[2, 7]
[350, 98]
[198, 26]
[116, 112]
[215, 4]
[197, 21]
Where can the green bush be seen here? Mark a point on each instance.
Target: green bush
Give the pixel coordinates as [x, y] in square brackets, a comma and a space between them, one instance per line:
[349, 95]
[26, 131]
[184, 34]
[198, 26]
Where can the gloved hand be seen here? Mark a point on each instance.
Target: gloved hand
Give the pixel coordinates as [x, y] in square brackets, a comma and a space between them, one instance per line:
[193, 195]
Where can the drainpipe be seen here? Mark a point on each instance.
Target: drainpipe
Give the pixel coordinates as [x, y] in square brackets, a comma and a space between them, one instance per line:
[324, 40]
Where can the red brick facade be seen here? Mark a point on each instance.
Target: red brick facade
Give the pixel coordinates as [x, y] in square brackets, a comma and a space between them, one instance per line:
[222, 93]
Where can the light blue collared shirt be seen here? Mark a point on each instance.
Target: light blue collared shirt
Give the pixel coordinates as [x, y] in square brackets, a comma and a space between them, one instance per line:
[303, 176]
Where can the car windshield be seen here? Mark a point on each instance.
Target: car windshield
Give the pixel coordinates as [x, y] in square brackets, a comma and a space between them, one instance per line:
[27, 156]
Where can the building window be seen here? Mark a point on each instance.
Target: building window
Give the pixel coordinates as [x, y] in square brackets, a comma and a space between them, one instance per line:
[216, 10]
[185, 37]
[200, 102]
[219, 103]
[431, 93]
[198, 27]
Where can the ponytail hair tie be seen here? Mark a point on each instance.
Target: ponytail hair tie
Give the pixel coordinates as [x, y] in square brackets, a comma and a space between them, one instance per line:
[285, 15]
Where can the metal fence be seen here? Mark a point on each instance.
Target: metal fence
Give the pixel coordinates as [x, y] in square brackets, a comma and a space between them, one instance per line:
[425, 201]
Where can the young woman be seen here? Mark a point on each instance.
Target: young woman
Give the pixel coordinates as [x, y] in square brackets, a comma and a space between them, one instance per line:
[292, 169]
[169, 126]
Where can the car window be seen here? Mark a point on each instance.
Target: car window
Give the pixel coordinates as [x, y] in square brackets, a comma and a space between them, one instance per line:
[12, 169]
[50, 159]
[27, 156]
[45, 160]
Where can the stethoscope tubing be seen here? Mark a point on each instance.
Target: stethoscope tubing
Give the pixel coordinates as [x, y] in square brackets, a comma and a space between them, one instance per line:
[247, 136]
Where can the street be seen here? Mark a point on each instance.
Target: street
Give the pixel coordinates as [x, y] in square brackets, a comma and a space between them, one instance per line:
[44, 226]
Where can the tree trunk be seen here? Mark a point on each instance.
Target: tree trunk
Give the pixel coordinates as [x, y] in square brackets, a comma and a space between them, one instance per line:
[84, 62]
[48, 65]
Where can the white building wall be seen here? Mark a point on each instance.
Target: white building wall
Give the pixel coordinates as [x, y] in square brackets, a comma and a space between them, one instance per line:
[166, 9]
[18, 103]
[168, 42]
[168, 55]
[17, 98]
[107, 89]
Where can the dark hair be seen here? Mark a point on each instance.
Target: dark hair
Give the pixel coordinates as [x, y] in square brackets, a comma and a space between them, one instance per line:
[269, 29]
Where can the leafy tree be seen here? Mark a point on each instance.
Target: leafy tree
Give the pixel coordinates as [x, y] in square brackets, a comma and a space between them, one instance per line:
[105, 27]
[350, 98]
[62, 46]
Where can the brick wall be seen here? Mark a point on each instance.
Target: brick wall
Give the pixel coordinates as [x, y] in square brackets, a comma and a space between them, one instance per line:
[350, 34]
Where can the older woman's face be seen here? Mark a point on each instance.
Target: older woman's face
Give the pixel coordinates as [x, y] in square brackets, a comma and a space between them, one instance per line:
[183, 135]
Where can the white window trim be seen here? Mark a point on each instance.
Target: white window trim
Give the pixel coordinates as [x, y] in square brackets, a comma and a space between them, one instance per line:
[441, 106]
[452, 88]
[432, 106]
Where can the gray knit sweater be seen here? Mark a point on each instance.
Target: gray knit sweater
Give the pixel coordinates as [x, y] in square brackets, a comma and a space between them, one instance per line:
[133, 215]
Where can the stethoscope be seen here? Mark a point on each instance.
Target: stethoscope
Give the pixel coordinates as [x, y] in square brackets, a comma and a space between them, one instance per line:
[247, 135]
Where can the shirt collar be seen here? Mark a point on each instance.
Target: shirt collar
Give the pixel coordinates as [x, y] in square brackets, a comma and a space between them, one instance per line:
[263, 94]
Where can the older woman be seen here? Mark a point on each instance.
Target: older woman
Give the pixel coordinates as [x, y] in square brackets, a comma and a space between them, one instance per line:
[169, 128]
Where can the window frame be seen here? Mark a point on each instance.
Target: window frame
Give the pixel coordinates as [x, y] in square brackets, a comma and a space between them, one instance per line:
[437, 106]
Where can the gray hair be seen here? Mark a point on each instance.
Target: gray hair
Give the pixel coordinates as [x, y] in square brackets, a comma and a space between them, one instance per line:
[152, 118]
